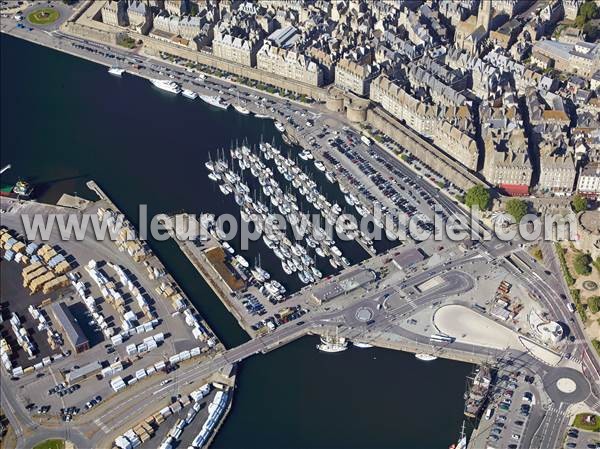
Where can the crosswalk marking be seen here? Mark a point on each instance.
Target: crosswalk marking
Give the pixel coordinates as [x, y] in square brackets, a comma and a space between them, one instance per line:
[102, 426]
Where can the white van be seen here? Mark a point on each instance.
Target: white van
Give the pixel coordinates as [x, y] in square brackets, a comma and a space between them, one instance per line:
[571, 307]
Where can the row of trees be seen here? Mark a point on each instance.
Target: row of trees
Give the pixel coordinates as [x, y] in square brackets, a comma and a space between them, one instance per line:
[481, 198]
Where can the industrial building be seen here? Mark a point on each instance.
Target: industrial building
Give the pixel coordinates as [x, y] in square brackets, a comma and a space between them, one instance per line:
[70, 327]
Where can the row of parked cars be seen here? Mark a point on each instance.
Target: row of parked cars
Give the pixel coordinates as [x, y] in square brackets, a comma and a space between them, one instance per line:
[62, 389]
[399, 193]
[252, 304]
[506, 391]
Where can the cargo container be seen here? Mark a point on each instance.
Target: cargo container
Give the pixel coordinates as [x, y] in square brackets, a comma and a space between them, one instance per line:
[49, 255]
[18, 247]
[31, 248]
[59, 282]
[62, 267]
[33, 271]
[38, 282]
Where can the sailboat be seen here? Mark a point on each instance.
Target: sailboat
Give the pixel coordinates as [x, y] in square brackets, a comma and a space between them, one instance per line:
[332, 344]
[462, 441]
[261, 114]
[238, 106]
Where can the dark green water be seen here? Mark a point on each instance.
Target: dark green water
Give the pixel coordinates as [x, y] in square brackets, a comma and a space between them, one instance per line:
[65, 121]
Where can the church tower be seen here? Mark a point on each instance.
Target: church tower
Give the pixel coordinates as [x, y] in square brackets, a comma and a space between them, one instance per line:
[485, 14]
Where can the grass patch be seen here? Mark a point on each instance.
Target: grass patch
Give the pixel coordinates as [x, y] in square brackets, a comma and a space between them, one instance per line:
[537, 253]
[126, 41]
[596, 344]
[51, 444]
[43, 16]
[576, 295]
[563, 264]
[581, 422]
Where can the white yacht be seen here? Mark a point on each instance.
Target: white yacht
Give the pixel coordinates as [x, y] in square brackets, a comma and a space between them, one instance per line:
[361, 345]
[117, 71]
[215, 101]
[320, 165]
[425, 357]
[166, 85]
[225, 189]
[189, 94]
[279, 127]
[243, 262]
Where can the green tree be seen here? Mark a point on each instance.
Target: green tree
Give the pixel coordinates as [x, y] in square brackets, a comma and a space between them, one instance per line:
[588, 11]
[478, 196]
[591, 31]
[581, 263]
[517, 208]
[594, 304]
[579, 203]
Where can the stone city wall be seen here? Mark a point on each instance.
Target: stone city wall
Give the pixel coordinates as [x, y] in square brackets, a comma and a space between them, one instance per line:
[421, 149]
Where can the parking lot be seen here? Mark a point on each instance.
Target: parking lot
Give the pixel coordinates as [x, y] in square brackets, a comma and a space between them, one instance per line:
[98, 318]
[505, 422]
[581, 439]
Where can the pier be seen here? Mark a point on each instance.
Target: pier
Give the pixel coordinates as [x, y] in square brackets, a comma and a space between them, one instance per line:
[215, 273]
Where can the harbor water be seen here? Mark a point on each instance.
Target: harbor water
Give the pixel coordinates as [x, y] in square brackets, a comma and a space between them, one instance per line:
[66, 121]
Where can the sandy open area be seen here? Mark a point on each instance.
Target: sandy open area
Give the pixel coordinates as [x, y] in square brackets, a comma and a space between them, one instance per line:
[469, 327]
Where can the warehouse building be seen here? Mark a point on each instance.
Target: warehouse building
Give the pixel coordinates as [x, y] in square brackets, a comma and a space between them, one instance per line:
[71, 329]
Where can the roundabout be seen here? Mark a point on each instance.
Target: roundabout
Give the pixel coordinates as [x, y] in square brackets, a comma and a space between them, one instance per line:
[566, 385]
[364, 314]
[43, 16]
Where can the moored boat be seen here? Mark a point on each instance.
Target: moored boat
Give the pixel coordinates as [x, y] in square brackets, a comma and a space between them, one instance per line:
[332, 344]
[116, 71]
[166, 85]
[189, 94]
[425, 357]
